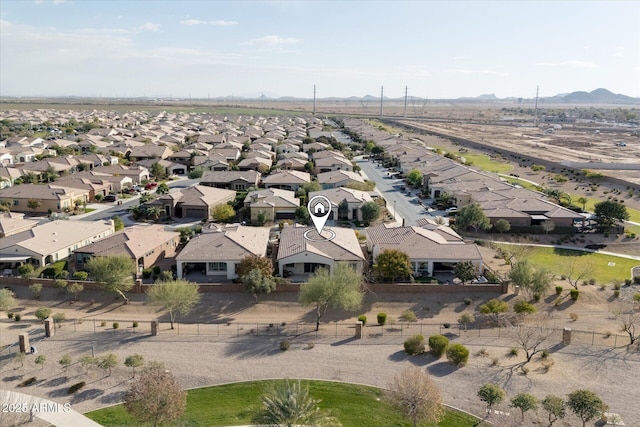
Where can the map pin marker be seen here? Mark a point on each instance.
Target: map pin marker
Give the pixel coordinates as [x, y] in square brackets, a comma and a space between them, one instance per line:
[319, 209]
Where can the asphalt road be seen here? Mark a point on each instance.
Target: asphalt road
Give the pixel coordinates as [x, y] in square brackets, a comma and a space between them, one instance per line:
[403, 206]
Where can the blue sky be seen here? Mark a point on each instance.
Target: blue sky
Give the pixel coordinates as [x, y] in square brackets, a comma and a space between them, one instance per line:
[345, 48]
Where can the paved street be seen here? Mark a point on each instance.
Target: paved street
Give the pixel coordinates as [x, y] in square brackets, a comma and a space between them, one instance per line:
[401, 205]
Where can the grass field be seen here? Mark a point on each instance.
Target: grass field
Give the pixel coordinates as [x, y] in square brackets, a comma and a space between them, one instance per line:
[523, 184]
[603, 272]
[485, 163]
[235, 404]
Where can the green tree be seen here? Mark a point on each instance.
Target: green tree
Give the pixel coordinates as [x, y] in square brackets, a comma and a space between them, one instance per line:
[108, 362]
[26, 271]
[163, 188]
[34, 204]
[155, 397]
[42, 313]
[586, 405]
[256, 284]
[154, 212]
[65, 361]
[157, 171]
[555, 407]
[416, 396]
[41, 359]
[74, 289]
[113, 273]
[58, 318]
[134, 361]
[609, 213]
[392, 264]
[290, 405]
[223, 213]
[472, 216]
[525, 402]
[502, 226]
[370, 212]
[309, 187]
[36, 290]
[493, 394]
[341, 290]
[465, 271]
[523, 307]
[255, 262]
[196, 173]
[118, 223]
[302, 214]
[457, 354]
[415, 178]
[343, 209]
[176, 296]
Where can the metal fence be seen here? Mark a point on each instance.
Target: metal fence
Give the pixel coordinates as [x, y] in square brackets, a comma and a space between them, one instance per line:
[328, 330]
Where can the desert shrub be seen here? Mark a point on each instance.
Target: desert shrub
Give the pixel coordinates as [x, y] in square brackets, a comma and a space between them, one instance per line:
[575, 293]
[18, 317]
[362, 318]
[43, 313]
[616, 293]
[60, 283]
[438, 345]
[146, 273]
[408, 316]
[36, 289]
[414, 345]
[636, 297]
[636, 280]
[382, 319]
[103, 323]
[284, 345]
[523, 307]
[513, 351]
[458, 354]
[76, 387]
[467, 301]
[10, 314]
[547, 364]
[544, 354]
[80, 275]
[134, 324]
[116, 325]
[559, 290]
[157, 270]
[573, 316]
[495, 362]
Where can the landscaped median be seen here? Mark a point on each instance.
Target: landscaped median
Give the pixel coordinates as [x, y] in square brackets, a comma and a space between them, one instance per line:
[236, 404]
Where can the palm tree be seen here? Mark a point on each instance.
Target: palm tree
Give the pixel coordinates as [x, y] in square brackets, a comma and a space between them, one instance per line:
[583, 201]
[154, 213]
[289, 405]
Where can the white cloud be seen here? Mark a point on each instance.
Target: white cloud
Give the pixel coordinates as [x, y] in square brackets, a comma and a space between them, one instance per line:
[149, 26]
[219, 23]
[570, 64]
[272, 41]
[223, 23]
[618, 52]
[490, 72]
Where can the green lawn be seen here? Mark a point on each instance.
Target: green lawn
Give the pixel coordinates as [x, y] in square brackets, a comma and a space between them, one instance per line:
[235, 404]
[485, 163]
[550, 258]
[523, 184]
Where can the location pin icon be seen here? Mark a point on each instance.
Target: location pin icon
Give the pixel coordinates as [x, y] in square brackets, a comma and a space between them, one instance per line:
[319, 209]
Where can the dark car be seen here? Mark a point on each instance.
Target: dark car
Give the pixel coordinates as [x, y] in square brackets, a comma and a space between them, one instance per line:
[110, 198]
[596, 247]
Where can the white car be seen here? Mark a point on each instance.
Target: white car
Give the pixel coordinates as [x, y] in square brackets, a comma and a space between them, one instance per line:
[452, 209]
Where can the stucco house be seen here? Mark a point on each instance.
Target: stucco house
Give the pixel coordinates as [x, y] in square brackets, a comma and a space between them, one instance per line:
[144, 244]
[346, 203]
[338, 178]
[431, 248]
[287, 180]
[298, 256]
[193, 202]
[273, 203]
[218, 252]
[233, 180]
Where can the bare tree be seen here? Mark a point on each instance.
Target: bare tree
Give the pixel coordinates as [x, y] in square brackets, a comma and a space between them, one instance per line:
[531, 336]
[629, 320]
[576, 268]
[415, 394]
[155, 397]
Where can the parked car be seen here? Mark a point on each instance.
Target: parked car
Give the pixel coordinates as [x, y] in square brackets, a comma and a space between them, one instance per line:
[150, 185]
[110, 198]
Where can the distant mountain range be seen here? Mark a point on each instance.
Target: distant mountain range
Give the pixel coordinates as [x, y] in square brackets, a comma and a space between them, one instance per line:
[598, 96]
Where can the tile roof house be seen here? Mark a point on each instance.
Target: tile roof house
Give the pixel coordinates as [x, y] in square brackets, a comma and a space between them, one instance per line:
[260, 164]
[431, 248]
[287, 180]
[338, 178]
[144, 244]
[218, 252]
[14, 222]
[192, 202]
[301, 256]
[234, 180]
[272, 203]
[53, 241]
[346, 203]
[50, 198]
[150, 151]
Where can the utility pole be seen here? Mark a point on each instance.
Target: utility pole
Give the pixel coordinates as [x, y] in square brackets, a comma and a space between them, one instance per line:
[535, 121]
[405, 101]
[381, 98]
[314, 100]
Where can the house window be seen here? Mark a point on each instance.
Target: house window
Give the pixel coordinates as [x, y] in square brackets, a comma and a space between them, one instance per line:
[217, 266]
[240, 186]
[311, 267]
[16, 202]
